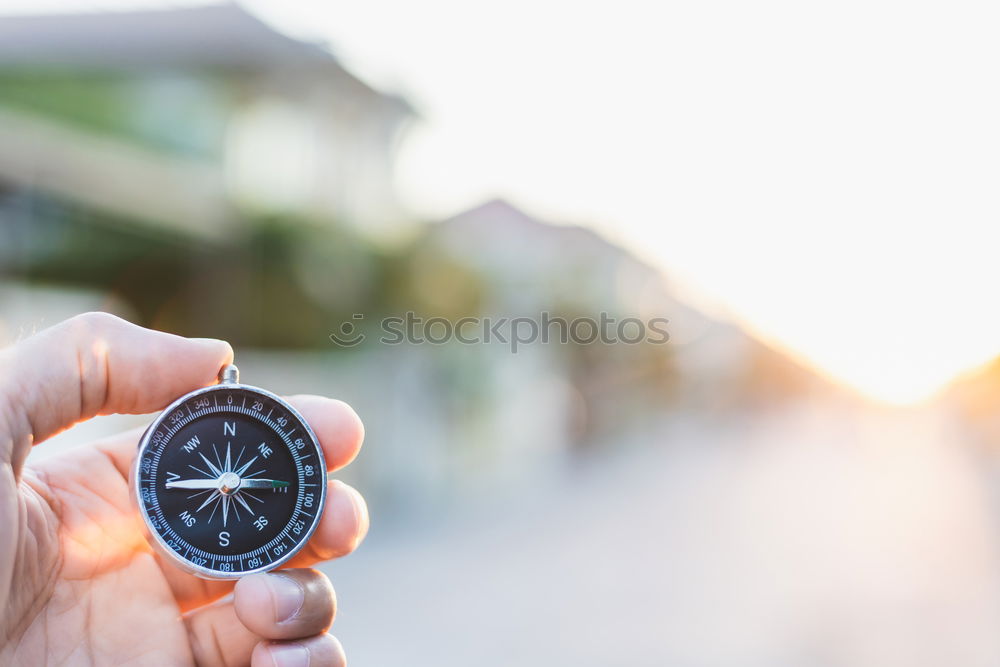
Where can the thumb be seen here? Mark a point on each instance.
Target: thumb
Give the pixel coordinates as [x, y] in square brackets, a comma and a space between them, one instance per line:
[95, 364]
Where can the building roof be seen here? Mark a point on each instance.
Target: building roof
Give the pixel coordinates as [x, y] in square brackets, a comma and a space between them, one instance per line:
[222, 35]
[498, 219]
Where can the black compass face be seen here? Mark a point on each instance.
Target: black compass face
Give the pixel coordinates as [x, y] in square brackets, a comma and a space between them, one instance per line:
[231, 481]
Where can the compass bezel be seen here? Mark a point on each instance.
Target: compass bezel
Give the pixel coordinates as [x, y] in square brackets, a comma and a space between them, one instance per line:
[157, 541]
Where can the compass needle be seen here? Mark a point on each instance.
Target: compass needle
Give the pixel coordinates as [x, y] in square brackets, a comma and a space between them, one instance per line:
[256, 483]
[250, 458]
[192, 484]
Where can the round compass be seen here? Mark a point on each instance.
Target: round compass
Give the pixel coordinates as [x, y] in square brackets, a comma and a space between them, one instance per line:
[229, 480]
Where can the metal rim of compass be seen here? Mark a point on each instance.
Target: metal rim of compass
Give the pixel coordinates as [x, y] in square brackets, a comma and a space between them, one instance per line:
[154, 538]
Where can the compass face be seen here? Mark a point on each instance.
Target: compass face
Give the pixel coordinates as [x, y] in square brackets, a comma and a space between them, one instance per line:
[230, 480]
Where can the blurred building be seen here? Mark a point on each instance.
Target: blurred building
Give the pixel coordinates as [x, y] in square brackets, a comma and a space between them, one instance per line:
[203, 174]
[497, 261]
[187, 118]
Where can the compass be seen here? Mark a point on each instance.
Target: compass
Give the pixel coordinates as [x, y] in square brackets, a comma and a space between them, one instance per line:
[229, 480]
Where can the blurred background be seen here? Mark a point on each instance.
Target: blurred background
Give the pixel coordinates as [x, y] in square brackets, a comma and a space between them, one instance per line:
[805, 474]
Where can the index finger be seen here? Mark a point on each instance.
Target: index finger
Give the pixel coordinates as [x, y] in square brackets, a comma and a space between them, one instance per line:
[336, 424]
[97, 364]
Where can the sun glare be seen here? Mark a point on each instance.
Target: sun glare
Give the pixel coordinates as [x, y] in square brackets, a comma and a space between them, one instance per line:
[834, 193]
[898, 351]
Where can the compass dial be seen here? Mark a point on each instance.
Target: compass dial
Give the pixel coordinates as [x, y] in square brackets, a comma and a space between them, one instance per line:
[230, 480]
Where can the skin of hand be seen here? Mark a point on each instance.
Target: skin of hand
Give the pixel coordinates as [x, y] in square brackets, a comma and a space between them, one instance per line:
[79, 585]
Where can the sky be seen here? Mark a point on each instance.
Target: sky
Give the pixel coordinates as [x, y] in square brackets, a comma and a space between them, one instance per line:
[826, 172]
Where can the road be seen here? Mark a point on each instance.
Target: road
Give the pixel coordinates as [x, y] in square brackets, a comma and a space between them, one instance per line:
[815, 537]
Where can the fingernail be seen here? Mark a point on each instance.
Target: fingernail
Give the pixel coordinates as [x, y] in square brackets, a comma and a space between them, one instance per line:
[360, 508]
[209, 341]
[361, 512]
[287, 594]
[215, 345]
[289, 655]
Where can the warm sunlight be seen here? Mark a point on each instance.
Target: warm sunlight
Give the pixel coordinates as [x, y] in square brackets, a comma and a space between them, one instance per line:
[832, 193]
[716, 275]
[792, 175]
[896, 328]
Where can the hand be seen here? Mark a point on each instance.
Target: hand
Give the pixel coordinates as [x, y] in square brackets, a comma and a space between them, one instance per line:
[78, 582]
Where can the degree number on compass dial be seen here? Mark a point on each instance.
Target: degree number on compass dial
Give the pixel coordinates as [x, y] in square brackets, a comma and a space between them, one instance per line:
[230, 480]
